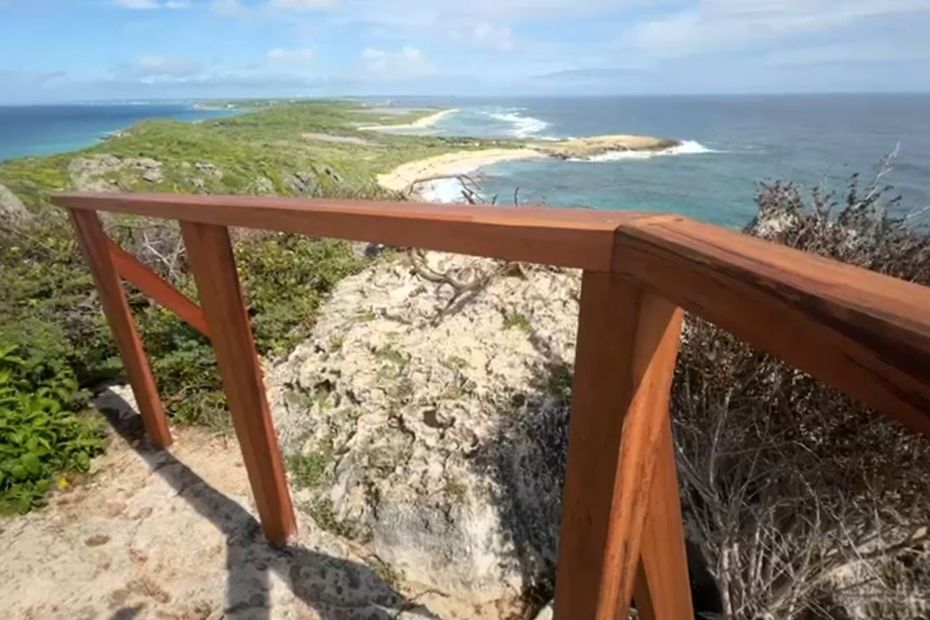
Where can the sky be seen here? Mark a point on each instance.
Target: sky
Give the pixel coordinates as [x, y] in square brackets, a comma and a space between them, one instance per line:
[79, 50]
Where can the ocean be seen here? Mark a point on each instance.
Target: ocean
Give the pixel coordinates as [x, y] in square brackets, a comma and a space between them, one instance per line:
[729, 145]
[50, 129]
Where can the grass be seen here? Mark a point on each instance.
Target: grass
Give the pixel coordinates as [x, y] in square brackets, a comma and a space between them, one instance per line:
[387, 573]
[515, 320]
[49, 306]
[256, 152]
[393, 356]
[324, 514]
[308, 471]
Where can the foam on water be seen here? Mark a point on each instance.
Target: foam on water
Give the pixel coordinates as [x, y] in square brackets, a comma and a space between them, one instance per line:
[522, 126]
[441, 190]
[687, 147]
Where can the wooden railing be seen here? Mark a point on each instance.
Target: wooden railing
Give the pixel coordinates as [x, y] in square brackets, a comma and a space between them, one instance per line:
[621, 533]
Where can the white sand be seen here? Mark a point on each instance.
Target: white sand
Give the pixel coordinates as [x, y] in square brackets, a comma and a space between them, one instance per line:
[405, 177]
[420, 123]
[402, 178]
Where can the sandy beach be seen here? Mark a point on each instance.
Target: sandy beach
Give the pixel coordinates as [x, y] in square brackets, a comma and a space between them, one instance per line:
[402, 178]
[405, 177]
[420, 123]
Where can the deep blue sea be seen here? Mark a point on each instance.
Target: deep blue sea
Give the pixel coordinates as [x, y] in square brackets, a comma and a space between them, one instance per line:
[48, 129]
[731, 143]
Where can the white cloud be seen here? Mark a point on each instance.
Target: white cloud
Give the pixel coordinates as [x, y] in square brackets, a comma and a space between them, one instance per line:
[716, 25]
[303, 5]
[845, 54]
[227, 8]
[150, 5]
[156, 66]
[291, 56]
[493, 37]
[137, 4]
[408, 62]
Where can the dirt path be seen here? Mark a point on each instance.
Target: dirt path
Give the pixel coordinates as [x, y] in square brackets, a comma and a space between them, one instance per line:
[174, 535]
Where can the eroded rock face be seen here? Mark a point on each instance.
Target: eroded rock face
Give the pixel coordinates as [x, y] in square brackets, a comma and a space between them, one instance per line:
[105, 173]
[202, 175]
[435, 433]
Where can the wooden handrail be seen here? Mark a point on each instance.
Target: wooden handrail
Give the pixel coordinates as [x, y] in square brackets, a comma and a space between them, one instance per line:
[579, 238]
[147, 281]
[862, 332]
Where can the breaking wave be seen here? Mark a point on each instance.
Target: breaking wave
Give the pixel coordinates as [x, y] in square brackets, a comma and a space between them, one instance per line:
[687, 147]
[521, 126]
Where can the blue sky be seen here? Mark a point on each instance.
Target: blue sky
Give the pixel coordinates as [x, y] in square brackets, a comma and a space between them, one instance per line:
[66, 50]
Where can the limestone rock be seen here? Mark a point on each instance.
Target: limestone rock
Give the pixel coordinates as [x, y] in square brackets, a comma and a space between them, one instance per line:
[585, 148]
[438, 428]
[109, 173]
[208, 169]
[154, 534]
[202, 175]
[546, 613]
[302, 183]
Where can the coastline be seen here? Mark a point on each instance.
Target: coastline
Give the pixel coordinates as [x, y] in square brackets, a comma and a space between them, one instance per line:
[44, 131]
[421, 123]
[405, 177]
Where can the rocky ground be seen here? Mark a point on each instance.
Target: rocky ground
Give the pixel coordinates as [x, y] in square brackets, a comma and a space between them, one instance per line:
[174, 534]
[431, 424]
[418, 425]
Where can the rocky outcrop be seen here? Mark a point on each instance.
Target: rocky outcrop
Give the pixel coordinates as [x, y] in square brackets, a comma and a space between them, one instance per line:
[109, 173]
[155, 534]
[202, 175]
[430, 425]
[585, 148]
[302, 183]
[13, 212]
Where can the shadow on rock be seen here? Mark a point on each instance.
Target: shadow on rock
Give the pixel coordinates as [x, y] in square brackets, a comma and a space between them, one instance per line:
[335, 588]
[525, 461]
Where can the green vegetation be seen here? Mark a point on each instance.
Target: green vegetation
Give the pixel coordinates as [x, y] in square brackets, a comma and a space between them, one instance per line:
[387, 573]
[279, 149]
[54, 340]
[393, 356]
[309, 470]
[560, 383]
[324, 515]
[42, 438]
[515, 320]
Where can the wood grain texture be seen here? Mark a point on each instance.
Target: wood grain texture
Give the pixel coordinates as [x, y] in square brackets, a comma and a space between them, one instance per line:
[627, 346]
[864, 333]
[211, 259]
[567, 237]
[96, 247]
[147, 281]
[663, 586]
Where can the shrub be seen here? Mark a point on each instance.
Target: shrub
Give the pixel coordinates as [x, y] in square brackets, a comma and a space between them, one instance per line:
[41, 435]
[286, 277]
[799, 498]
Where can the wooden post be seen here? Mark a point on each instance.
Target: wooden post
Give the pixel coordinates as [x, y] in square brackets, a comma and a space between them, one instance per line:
[663, 586]
[627, 344]
[211, 259]
[96, 246]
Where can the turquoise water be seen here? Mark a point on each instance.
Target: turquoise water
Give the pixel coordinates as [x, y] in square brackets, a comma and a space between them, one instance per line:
[731, 144]
[49, 129]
